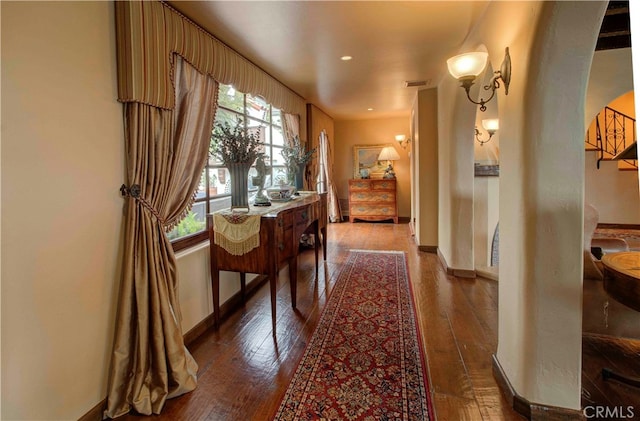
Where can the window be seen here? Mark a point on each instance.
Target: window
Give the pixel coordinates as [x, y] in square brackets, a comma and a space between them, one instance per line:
[214, 190]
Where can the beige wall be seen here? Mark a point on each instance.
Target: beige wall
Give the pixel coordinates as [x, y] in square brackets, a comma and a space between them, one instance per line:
[62, 166]
[424, 157]
[349, 133]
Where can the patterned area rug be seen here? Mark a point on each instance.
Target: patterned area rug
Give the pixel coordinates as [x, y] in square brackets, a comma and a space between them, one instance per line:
[364, 360]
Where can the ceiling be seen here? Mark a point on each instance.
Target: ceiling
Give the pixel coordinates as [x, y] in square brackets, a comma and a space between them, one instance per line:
[300, 44]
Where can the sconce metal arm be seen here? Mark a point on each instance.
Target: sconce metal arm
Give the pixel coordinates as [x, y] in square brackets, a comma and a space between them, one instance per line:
[481, 141]
[504, 75]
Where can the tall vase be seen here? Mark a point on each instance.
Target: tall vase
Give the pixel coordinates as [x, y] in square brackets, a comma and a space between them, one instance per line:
[300, 178]
[239, 173]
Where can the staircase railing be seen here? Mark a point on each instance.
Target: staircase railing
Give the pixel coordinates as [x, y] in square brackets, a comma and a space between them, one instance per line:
[619, 133]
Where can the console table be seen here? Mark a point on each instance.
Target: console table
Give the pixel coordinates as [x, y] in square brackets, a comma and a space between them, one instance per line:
[281, 227]
[373, 200]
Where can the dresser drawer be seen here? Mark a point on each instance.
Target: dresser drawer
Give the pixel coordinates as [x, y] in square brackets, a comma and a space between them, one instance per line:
[373, 196]
[383, 185]
[373, 210]
[359, 185]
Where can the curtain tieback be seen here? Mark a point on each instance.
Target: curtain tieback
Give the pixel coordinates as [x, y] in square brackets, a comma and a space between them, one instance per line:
[134, 191]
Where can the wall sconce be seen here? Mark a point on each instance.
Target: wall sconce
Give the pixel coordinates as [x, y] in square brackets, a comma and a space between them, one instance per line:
[403, 141]
[467, 67]
[388, 153]
[491, 125]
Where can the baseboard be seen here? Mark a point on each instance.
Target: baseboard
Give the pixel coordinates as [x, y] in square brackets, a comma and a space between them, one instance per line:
[226, 308]
[459, 273]
[229, 306]
[464, 273]
[429, 249]
[95, 413]
[404, 219]
[531, 410]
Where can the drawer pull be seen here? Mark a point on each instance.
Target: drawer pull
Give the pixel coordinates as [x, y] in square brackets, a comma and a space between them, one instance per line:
[305, 215]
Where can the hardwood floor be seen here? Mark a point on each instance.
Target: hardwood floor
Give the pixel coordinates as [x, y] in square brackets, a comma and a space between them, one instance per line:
[244, 371]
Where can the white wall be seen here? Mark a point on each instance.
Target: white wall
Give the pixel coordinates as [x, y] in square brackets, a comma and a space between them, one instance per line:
[486, 201]
[541, 194]
[62, 165]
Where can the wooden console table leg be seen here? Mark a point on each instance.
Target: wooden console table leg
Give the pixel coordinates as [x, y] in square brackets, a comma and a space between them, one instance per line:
[316, 243]
[243, 286]
[273, 274]
[293, 278]
[323, 230]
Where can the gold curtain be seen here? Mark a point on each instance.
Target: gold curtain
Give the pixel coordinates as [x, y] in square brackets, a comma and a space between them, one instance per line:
[149, 32]
[166, 151]
[317, 121]
[326, 159]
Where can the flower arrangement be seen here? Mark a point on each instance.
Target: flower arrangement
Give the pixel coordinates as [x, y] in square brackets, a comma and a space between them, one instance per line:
[295, 156]
[235, 144]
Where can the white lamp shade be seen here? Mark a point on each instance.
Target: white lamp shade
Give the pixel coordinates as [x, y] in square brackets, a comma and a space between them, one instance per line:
[467, 64]
[491, 124]
[388, 153]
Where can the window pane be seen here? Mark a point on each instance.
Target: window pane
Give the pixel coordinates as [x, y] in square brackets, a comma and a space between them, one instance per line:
[228, 97]
[214, 182]
[220, 203]
[277, 137]
[202, 187]
[276, 117]
[275, 155]
[257, 107]
[260, 128]
[194, 222]
[223, 116]
[279, 175]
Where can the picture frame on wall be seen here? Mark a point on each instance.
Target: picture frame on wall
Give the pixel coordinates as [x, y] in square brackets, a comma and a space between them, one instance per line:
[365, 159]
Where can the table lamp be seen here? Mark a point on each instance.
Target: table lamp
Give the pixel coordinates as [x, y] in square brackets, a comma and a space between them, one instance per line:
[388, 154]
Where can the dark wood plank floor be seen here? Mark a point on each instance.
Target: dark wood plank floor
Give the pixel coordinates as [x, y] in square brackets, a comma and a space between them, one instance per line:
[244, 371]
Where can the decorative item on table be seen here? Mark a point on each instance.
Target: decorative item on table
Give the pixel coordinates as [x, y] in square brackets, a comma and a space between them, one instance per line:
[364, 173]
[296, 159]
[280, 193]
[389, 154]
[260, 199]
[237, 147]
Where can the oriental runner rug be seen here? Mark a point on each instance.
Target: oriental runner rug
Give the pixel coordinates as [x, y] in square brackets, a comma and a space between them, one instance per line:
[364, 361]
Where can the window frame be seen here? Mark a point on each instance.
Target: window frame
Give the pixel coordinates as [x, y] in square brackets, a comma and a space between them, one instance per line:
[196, 238]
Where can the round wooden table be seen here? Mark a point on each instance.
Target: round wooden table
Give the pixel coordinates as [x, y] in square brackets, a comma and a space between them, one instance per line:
[622, 277]
[622, 283]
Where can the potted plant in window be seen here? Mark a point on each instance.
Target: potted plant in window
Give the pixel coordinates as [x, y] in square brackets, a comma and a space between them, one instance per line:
[296, 159]
[237, 148]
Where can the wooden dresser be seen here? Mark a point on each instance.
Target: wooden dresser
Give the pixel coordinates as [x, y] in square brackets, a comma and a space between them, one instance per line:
[373, 200]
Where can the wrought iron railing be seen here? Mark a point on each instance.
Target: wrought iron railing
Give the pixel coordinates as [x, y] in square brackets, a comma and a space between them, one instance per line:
[619, 133]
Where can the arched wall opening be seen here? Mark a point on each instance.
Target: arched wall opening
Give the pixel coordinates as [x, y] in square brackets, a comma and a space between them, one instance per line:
[541, 209]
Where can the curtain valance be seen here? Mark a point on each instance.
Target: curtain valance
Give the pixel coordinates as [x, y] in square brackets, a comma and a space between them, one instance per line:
[149, 32]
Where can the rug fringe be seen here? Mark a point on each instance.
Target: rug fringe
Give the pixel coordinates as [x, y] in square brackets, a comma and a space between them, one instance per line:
[377, 251]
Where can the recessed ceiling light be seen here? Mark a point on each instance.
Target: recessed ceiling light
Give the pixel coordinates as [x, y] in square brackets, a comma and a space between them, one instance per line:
[346, 58]
[369, 109]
